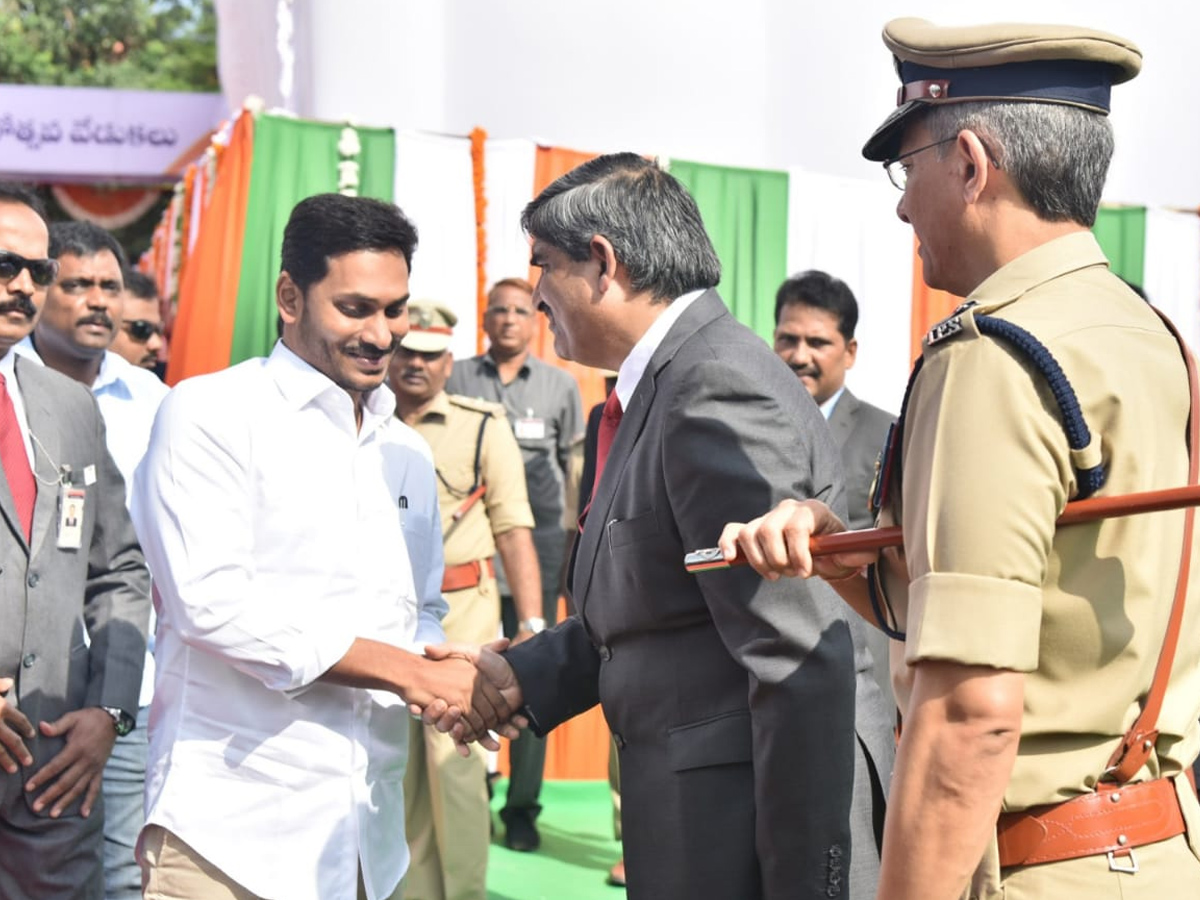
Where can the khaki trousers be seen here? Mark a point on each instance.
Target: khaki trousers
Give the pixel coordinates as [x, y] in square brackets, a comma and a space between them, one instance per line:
[172, 870]
[447, 817]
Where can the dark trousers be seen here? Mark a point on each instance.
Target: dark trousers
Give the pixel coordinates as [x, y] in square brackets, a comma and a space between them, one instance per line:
[527, 755]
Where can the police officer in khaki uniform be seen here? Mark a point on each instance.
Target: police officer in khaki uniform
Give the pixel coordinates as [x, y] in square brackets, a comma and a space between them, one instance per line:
[1029, 649]
[485, 510]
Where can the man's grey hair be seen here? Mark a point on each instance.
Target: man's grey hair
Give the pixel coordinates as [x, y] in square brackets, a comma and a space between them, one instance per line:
[1056, 155]
[649, 218]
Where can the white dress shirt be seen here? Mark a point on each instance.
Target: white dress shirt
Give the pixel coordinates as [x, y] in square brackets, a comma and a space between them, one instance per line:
[828, 406]
[128, 398]
[634, 366]
[8, 370]
[275, 533]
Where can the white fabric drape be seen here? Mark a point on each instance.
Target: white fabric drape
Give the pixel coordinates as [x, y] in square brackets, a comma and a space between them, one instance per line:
[508, 183]
[435, 188]
[1172, 269]
[848, 228]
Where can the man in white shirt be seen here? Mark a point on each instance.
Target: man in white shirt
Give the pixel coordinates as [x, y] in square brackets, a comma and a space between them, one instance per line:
[292, 525]
[79, 319]
[74, 597]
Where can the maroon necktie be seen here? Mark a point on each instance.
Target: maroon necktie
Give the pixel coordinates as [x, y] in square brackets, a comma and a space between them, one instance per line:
[610, 419]
[15, 461]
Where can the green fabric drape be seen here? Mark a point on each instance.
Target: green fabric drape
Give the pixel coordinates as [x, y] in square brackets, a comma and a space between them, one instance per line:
[292, 160]
[1122, 235]
[746, 213]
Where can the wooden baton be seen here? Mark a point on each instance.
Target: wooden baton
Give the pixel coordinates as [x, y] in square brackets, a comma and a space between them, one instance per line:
[1075, 513]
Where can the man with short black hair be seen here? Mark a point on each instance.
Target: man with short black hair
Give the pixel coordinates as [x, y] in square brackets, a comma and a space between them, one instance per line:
[74, 599]
[140, 338]
[292, 525]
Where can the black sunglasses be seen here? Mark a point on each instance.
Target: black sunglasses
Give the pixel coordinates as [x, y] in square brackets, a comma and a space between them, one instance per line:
[42, 271]
[141, 330]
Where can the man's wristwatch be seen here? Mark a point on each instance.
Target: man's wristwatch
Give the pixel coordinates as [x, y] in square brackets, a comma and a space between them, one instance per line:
[122, 722]
[534, 624]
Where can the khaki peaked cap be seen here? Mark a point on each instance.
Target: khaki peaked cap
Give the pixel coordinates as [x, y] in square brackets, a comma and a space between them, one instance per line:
[1035, 63]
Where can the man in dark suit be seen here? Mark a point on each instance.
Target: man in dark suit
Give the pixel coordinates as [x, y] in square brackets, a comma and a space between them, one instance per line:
[731, 698]
[815, 318]
[75, 601]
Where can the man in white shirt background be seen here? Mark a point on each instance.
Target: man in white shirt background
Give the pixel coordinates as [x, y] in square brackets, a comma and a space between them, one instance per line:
[291, 522]
[81, 315]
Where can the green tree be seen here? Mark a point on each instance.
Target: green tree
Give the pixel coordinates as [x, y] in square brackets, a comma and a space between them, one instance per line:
[165, 45]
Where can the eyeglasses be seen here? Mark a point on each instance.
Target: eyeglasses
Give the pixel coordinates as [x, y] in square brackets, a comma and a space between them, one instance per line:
[42, 271]
[141, 330]
[897, 171]
[519, 311]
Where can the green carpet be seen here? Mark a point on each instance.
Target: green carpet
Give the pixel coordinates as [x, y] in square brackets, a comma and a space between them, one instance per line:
[576, 853]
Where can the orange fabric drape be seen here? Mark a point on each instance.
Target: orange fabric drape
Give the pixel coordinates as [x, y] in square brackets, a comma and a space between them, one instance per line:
[552, 163]
[208, 294]
[929, 306]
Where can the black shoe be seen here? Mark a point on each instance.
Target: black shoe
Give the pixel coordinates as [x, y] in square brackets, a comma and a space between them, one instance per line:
[521, 834]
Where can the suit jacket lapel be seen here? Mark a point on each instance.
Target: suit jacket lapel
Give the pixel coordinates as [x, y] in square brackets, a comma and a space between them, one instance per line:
[706, 308]
[46, 456]
[841, 421]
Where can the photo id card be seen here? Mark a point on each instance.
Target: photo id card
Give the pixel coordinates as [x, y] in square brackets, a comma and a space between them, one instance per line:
[70, 517]
[529, 429]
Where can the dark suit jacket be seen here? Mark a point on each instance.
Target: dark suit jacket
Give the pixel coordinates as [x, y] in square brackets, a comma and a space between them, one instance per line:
[860, 430]
[51, 595]
[731, 698]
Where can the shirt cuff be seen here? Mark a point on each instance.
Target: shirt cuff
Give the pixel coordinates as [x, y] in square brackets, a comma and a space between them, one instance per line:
[975, 620]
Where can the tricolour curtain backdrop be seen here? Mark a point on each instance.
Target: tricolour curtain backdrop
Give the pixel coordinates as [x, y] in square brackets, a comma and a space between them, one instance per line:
[746, 214]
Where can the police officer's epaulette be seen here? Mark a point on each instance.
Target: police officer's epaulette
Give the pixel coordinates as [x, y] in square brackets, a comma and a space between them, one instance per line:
[1086, 458]
[476, 405]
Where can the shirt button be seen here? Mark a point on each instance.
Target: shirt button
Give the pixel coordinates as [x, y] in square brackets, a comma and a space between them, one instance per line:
[605, 652]
[32, 580]
[618, 740]
[29, 660]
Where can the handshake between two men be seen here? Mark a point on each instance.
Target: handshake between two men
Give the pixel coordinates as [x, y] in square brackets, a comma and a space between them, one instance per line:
[473, 702]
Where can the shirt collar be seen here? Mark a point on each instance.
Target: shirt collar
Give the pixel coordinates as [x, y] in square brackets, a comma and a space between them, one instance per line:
[828, 406]
[634, 366]
[440, 406]
[8, 365]
[490, 362]
[1053, 259]
[301, 384]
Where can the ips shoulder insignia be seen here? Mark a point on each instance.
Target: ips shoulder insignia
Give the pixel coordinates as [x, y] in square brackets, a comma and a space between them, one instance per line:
[958, 322]
[477, 405]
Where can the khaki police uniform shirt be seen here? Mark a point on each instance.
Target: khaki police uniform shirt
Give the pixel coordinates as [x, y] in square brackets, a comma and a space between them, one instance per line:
[986, 471]
[451, 426]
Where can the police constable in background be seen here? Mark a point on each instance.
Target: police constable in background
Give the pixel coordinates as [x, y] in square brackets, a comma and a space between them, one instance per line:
[484, 508]
[1041, 755]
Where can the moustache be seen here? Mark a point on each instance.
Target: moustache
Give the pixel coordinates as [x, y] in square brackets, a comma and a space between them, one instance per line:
[20, 303]
[99, 318]
[806, 371]
[370, 351]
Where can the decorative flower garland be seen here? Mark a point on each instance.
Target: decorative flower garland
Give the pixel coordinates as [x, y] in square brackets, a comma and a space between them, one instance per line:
[349, 147]
[478, 141]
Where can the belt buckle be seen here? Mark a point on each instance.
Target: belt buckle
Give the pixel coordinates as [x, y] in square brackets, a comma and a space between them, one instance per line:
[1130, 868]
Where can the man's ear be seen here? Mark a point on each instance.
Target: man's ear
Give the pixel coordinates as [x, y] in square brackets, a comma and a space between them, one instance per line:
[604, 255]
[974, 161]
[851, 352]
[289, 298]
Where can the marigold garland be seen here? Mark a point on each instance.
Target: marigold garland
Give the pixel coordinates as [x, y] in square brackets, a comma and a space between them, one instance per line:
[478, 139]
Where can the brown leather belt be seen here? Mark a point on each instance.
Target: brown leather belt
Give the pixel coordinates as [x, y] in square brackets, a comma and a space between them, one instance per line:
[467, 575]
[1113, 820]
